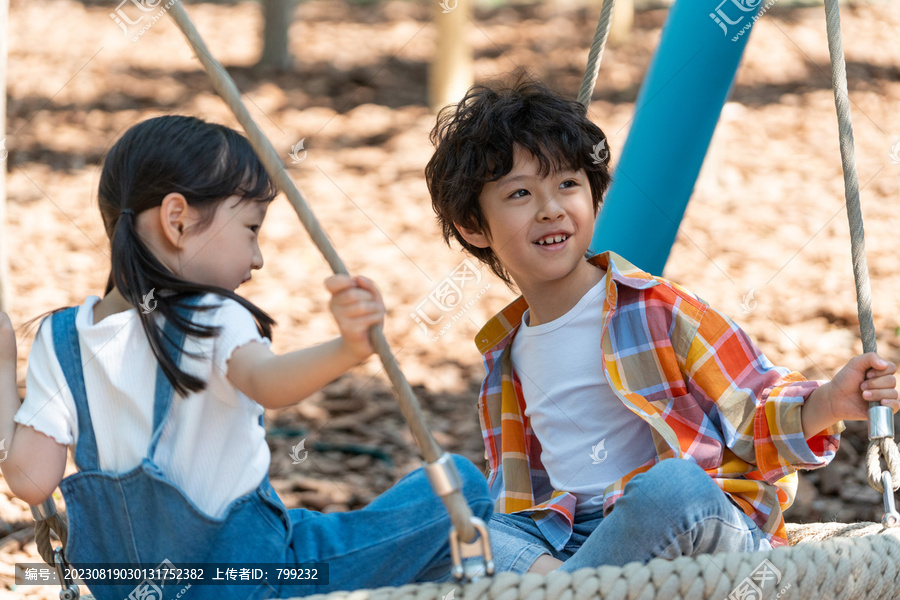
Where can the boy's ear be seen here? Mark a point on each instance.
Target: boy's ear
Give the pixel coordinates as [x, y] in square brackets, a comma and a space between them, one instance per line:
[174, 217]
[473, 236]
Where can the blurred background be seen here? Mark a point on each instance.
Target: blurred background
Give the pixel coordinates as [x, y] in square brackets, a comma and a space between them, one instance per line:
[346, 91]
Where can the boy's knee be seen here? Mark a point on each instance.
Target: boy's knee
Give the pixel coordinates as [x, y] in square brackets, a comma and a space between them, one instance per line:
[674, 481]
[679, 468]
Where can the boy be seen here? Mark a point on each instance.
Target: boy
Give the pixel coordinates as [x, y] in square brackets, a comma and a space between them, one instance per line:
[607, 387]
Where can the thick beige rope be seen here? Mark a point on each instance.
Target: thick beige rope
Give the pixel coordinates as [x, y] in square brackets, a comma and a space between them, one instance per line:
[882, 448]
[832, 569]
[799, 533]
[835, 569]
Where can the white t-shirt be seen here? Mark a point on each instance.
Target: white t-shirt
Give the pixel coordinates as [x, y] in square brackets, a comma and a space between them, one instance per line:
[589, 439]
[212, 445]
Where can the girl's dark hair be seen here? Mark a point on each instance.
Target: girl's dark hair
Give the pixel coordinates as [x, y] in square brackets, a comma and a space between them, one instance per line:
[474, 142]
[204, 162]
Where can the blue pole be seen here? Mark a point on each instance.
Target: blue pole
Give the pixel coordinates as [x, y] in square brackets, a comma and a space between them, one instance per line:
[675, 115]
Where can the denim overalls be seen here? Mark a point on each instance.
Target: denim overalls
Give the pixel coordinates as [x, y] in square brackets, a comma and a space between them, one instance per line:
[142, 517]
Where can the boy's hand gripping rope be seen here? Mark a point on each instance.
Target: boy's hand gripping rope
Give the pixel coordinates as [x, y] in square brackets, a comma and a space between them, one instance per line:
[881, 418]
[466, 526]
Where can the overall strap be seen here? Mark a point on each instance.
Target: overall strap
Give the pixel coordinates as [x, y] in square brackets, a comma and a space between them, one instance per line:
[68, 352]
[172, 343]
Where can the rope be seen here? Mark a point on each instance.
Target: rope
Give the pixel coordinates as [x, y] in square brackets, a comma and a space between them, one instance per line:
[57, 524]
[798, 533]
[851, 179]
[596, 53]
[881, 447]
[839, 568]
[878, 448]
[460, 513]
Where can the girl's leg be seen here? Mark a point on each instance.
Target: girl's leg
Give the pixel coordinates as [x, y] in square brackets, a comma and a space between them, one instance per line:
[673, 509]
[402, 536]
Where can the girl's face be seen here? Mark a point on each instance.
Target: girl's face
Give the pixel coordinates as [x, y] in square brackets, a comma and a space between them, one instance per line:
[226, 252]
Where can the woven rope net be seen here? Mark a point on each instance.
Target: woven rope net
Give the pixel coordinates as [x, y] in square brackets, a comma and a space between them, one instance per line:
[847, 561]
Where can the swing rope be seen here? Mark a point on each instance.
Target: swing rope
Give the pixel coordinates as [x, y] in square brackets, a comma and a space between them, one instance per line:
[460, 513]
[881, 446]
[596, 53]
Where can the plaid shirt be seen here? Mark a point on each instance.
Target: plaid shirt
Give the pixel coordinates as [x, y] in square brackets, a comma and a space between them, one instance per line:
[706, 390]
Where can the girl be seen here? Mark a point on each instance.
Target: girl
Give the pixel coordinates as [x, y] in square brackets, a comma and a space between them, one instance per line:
[160, 388]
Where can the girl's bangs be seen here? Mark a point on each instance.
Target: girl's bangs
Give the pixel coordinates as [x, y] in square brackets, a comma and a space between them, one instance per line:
[244, 172]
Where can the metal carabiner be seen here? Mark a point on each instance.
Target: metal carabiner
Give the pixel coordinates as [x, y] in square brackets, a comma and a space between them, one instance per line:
[479, 548]
[891, 516]
[69, 589]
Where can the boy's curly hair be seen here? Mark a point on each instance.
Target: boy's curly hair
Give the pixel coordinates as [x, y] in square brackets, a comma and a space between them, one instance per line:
[474, 143]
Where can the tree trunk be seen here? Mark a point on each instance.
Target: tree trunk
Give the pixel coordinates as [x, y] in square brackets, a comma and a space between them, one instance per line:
[277, 15]
[4, 50]
[451, 72]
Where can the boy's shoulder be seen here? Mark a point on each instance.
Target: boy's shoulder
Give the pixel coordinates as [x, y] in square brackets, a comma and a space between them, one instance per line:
[625, 283]
[646, 287]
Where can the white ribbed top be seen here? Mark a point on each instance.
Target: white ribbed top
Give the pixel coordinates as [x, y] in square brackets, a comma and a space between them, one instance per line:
[589, 439]
[212, 444]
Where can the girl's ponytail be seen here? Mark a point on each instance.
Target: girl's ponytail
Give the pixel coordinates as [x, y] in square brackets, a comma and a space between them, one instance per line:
[138, 274]
[204, 162]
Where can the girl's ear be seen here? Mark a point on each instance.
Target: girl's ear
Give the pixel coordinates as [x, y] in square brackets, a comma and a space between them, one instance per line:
[173, 217]
[473, 236]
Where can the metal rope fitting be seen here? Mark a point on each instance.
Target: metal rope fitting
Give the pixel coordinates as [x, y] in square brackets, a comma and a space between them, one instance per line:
[69, 589]
[44, 510]
[443, 476]
[480, 559]
[891, 516]
[881, 422]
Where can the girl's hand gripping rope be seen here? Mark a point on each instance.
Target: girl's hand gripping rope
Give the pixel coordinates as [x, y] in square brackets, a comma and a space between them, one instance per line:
[276, 381]
[356, 305]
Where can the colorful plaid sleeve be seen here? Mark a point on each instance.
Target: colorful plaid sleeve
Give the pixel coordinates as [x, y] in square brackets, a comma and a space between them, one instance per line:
[758, 404]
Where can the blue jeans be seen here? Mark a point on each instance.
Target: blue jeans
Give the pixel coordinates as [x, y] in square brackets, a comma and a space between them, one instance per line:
[401, 537]
[673, 509]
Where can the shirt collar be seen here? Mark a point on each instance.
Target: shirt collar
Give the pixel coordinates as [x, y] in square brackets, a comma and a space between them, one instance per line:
[497, 332]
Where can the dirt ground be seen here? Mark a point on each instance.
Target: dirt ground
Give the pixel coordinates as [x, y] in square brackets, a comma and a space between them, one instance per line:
[765, 238]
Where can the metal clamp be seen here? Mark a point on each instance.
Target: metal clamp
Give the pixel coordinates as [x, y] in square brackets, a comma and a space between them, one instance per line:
[69, 589]
[44, 510]
[881, 422]
[443, 476]
[480, 548]
[891, 516]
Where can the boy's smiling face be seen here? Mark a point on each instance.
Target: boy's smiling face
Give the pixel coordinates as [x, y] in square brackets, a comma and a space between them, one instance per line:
[538, 226]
